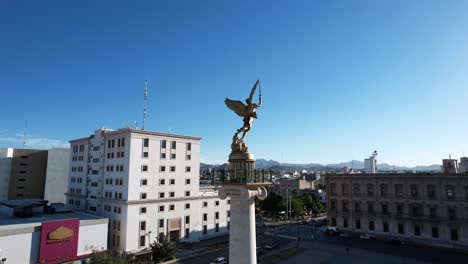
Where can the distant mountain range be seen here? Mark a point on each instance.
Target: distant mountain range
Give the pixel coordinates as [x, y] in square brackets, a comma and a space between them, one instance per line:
[355, 164]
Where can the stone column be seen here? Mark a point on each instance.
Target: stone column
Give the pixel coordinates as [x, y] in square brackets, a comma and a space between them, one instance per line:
[242, 240]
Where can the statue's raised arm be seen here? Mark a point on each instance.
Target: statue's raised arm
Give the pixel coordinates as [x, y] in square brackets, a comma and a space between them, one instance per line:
[248, 112]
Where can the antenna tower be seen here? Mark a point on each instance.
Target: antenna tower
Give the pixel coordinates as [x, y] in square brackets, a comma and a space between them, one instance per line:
[144, 104]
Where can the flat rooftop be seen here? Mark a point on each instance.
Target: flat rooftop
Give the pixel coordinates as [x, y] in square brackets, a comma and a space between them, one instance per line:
[11, 222]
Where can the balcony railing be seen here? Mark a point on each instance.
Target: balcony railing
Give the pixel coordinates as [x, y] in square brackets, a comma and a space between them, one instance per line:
[226, 176]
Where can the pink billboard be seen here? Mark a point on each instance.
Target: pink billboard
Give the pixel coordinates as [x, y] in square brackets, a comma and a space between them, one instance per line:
[59, 241]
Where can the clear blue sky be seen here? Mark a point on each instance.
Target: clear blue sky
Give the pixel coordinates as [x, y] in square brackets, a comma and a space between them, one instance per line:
[340, 79]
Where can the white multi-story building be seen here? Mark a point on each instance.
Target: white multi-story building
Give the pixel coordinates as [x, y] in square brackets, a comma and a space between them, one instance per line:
[370, 164]
[147, 184]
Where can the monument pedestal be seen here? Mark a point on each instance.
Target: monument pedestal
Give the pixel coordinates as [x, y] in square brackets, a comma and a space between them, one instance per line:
[242, 236]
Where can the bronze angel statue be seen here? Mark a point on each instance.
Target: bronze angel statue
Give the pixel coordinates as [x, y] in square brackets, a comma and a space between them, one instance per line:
[245, 111]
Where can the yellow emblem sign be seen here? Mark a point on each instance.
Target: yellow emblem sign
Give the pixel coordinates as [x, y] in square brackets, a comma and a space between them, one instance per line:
[60, 233]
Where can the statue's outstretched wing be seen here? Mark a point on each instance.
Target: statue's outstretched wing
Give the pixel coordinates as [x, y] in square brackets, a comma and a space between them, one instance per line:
[236, 106]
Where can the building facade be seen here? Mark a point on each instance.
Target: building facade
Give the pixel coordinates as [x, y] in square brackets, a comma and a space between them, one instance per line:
[34, 174]
[427, 208]
[147, 184]
[285, 187]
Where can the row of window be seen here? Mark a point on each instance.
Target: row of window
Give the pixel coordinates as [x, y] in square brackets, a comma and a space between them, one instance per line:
[414, 209]
[77, 179]
[78, 148]
[75, 158]
[414, 190]
[77, 169]
[117, 195]
[144, 168]
[74, 202]
[110, 181]
[108, 208]
[111, 155]
[75, 190]
[417, 228]
[120, 143]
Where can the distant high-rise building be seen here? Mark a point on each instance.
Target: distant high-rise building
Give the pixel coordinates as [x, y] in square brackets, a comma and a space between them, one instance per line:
[33, 173]
[450, 165]
[370, 164]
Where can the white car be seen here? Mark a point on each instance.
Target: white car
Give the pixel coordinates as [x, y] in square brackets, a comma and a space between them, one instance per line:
[367, 236]
[220, 260]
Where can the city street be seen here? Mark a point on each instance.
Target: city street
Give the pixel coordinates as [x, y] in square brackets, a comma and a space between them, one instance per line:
[330, 249]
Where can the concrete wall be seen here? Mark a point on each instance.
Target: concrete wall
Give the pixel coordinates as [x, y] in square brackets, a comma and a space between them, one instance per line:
[28, 170]
[57, 175]
[92, 237]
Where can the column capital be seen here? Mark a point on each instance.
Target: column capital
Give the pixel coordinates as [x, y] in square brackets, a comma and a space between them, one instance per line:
[242, 192]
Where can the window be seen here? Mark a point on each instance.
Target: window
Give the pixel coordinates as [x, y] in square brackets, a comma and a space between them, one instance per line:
[345, 222]
[172, 194]
[383, 190]
[187, 169]
[398, 190]
[357, 189]
[173, 145]
[401, 229]
[162, 168]
[431, 193]
[399, 211]
[171, 207]
[161, 223]
[173, 156]
[417, 230]
[144, 168]
[435, 232]
[344, 189]
[118, 143]
[216, 203]
[142, 241]
[187, 193]
[142, 196]
[188, 146]
[370, 208]
[163, 155]
[205, 204]
[433, 211]
[172, 168]
[187, 232]
[370, 189]
[161, 208]
[452, 214]
[142, 225]
[205, 217]
[216, 215]
[146, 142]
[333, 221]
[187, 219]
[145, 154]
[385, 226]
[415, 210]
[333, 189]
[163, 144]
[217, 227]
[333, 205]
[187, 181]
[142, 210]
[344, 205]
[414, 191]
[162, 181]
[188, 157]
[371, 225]
[228, 213]
[358, 224]
[453, 234]
[161, 195]
[205, 229]
[144, 182]
[172, 181]
[385, 209]
[187, 206]
[449, 190]
[357, 207]
[123, 142]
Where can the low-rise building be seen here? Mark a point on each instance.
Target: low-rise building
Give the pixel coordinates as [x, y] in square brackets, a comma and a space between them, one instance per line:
[33, 232]
[426, 208]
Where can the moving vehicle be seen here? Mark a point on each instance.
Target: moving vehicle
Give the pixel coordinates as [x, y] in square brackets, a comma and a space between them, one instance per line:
[271, 245]
[220, 260]
[367, 236]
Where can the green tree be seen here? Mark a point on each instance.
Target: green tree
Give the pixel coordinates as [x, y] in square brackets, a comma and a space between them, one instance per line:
[163, 249]
[308, 202]
[273, 204]
[297, 206]
[112, 257]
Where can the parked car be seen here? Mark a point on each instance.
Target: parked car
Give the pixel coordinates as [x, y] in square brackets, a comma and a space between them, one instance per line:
[271, 245]
[345, 235]
[220, 260]
[367, 236]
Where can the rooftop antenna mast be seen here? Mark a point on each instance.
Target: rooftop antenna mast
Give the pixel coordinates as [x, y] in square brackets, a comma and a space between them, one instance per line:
[24, 134]
[144, 104]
